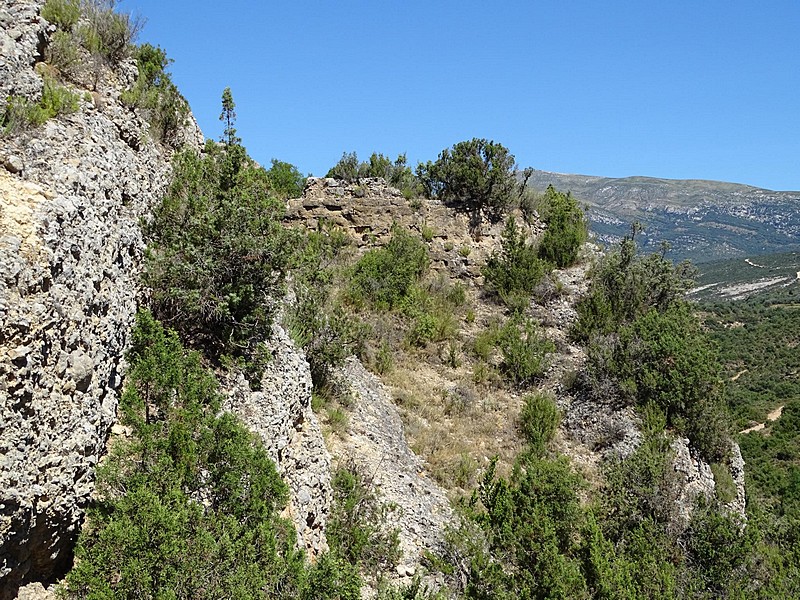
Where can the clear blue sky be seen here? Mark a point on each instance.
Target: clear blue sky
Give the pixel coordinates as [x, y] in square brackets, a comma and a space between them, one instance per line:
[704, 89]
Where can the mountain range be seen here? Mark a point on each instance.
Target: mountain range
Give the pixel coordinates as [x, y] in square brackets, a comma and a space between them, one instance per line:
[701, 220]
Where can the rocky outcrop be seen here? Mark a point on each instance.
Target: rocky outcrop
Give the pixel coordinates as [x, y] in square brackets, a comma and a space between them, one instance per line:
[375, 442]
[695, 479]
[367, 210]
[23, 36]
[737, 506]
[71, 197]
[280, 414]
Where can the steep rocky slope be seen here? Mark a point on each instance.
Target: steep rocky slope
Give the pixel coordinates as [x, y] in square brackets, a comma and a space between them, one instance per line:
[427, 389]
[71, 196]
[376, 443]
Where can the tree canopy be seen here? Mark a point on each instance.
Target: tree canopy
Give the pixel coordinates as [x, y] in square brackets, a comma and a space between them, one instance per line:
[476, 176]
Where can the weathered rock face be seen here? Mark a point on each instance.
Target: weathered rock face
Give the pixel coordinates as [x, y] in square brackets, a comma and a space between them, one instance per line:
[71, 197]
[696, 479]
[280, 414]
[23, 35]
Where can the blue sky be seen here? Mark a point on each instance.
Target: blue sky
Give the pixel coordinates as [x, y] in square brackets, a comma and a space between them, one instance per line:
[681, 89]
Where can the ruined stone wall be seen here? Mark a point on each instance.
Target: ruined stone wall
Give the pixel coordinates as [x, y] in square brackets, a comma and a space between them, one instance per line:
[367, 209]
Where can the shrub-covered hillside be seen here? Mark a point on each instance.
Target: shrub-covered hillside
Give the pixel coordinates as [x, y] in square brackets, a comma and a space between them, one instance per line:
[488, 327]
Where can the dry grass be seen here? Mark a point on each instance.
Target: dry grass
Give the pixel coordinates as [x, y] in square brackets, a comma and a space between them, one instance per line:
[456, 425]
[457, 422]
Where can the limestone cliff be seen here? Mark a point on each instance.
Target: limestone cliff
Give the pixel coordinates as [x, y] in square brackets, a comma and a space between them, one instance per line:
[71, 197]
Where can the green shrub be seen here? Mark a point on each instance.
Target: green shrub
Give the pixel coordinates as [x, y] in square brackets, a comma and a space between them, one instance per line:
[218, 252]
[476, 176]
[427, 232]
[286, 180]
[21, 114]
[625, 285]
[484, 343]
[57, 99]
[416, 590]
[718, 549]
[529, 203]
[107, 33]
[432, 315]
[424, 329]
[724, 485]
[396, 173]
[384, 359]
[530, 522]
[539, 420]
[346, 169]
[516, 269]
[482, 373]
[642, 486]
[63, 52]
[665, 358]
[156, 94]
[357, 531]
[64, 14]
[456, 295]
[189, 504]
[337, 419]
[567, 228]
[325, 331]
[384, 276]
[524, 350]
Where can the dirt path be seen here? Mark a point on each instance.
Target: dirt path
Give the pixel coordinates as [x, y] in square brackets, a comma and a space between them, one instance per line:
[739, 374]
[771, 416]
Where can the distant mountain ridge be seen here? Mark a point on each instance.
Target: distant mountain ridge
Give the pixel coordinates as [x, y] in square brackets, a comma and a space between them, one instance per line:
[702, 220]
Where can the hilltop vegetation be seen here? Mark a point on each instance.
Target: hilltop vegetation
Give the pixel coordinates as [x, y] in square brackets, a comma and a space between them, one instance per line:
[189, 505]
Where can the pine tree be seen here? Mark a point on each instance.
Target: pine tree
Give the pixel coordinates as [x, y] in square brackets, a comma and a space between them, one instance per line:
[228, 116]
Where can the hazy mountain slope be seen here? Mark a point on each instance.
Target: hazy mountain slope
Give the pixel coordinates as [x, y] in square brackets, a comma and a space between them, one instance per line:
[702, 220]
